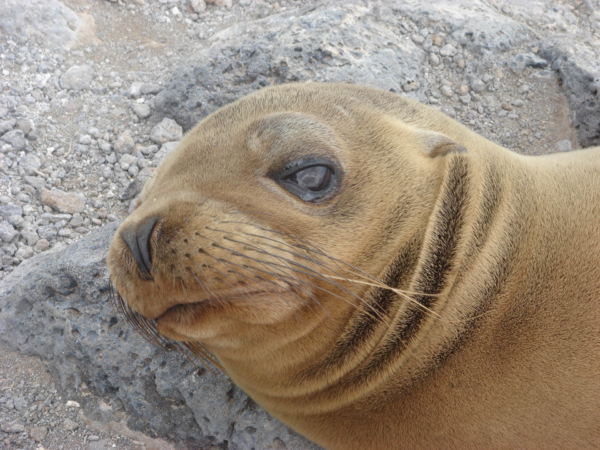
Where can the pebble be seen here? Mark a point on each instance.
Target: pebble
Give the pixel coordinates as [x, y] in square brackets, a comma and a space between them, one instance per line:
[142, 110]
[165, 131]
[38, 433]
[63, 201]
[77, 78]
[564, 145]
[124, 143]
[507, 107]
[7, 232]
[16, 426]
[70, 425]
[16, 138]
[446, 91]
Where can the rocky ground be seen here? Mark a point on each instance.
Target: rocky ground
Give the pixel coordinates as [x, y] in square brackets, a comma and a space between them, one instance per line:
[87, 111]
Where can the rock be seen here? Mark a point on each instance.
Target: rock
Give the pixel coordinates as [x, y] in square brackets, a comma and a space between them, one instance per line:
[477, 85]
[524, 60]
[76, 220]
[486, 31]
[42, 245]
[19, 403]
[198, 6]
[70, 425]
[135, 90]
[564, 146]
[30, 161]
[150, 89]
[16, 426]
[7, 232]
[63, 201]
[24, 125]
[24, 253]
[448, 50]
[16, 138]
[30, 236]
[142, 110]
[167, 130]
[51, 23]
[36, 182]
[240, 60]
[38, 433]
[7, 125]
[579, 70]
[77, 78]
[37, 301]
[10, 210]
[47, 233]
[446, 91]
[124, 143]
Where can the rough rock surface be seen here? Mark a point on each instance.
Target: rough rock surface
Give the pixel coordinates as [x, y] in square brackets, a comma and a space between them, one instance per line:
[523, 73]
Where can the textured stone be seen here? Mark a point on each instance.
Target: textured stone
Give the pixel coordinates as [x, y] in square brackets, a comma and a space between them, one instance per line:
[579, 69]
[77, 78]
[240, 60]
[167, 130]
[15, 138]
[10, 210]
[142, 110]
[7, 232]
[38, 433]
[16, 426]
[63, 201]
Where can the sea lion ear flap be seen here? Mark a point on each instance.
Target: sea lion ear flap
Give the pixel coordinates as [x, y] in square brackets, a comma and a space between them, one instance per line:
[438, 144]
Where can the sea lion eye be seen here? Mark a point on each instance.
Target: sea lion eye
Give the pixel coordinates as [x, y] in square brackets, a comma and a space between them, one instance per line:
[316, 178]
[309, 178]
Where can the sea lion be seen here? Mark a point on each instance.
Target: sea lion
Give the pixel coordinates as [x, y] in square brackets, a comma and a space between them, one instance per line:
[375, 274]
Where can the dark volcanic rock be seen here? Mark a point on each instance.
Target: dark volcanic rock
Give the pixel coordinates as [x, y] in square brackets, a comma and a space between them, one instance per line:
[579, 70]
[336, 44]
[56, 306]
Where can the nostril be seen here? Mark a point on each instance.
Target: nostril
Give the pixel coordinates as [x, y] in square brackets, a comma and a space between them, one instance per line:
[137, 239]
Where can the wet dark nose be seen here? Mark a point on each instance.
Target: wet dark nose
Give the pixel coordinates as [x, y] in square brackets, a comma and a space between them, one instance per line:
[137, 238]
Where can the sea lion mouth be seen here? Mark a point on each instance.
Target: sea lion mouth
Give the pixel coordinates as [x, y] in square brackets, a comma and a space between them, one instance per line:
[183, 311]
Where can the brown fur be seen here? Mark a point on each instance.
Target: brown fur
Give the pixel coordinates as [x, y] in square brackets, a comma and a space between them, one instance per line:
[496, 344]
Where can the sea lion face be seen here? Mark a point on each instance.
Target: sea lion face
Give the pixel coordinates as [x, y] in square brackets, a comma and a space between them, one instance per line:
[255, 223]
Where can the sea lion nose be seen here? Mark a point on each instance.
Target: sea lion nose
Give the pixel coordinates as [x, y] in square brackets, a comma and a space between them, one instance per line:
[137, 238]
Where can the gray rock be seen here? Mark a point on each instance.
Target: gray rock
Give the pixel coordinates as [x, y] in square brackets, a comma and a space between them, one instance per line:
[77, 78]
[16, 426]
[486, 30]
[142, 110]
[564, 146]
[167, 130]
[36, 182]
[30, 236]
[293, 46]
[524, 60]
[124, 143]
[16, 138]
[47, 232]
[7, 125]
[38, 301]
[10, 210]
[150, 89]
[7, 232]
[30, 161]
[51, 23]
[579, 70]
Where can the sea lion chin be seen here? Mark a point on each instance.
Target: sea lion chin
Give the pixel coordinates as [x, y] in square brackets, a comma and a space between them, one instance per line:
[375, 274]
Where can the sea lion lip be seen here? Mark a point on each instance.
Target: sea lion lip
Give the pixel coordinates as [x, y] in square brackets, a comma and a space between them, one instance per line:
[213, 303]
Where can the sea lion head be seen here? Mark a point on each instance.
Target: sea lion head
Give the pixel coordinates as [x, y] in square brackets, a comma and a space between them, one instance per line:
[274, 215]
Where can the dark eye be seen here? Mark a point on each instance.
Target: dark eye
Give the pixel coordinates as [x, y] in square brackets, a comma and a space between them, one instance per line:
[310, 178]
[316, 178]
